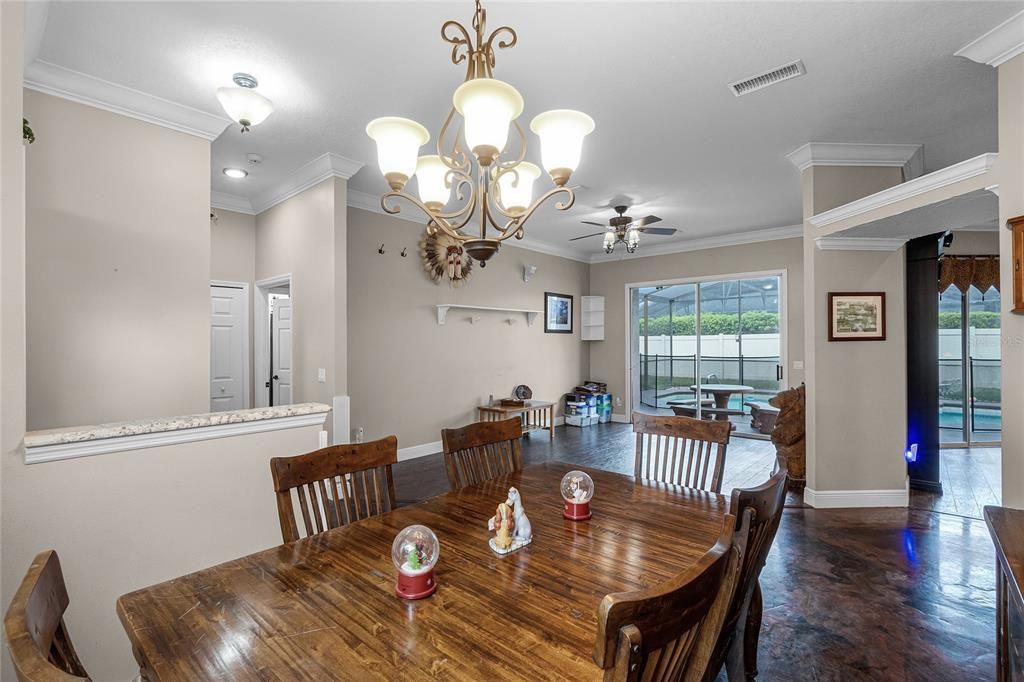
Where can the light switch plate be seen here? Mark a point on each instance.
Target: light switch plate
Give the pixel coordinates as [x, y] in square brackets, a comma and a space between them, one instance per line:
[798, 364]
[321, 375]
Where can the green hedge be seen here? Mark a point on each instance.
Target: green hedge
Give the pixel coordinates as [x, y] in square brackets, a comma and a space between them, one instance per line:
[980, 319]
[754, 322]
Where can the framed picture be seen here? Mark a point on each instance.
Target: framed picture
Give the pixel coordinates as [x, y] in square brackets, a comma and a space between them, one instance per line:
[856, 316]
[557, 313]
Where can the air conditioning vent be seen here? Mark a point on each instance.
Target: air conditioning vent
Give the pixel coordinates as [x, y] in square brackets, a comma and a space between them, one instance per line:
[763, 80]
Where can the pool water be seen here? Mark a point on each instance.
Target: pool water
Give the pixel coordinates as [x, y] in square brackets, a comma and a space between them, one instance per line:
[987, 420]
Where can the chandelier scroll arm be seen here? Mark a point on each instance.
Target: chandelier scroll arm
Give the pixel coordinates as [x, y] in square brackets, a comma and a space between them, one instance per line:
[437, 220]
[522, 148]
[519, 221]
[457, 42]
[457, 160]
[509, 41]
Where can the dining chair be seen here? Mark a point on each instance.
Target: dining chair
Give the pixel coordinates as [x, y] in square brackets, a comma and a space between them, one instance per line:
[334, 486]
[681, 450]
[481, 451]
[668, 632]
[37, 638]
[737, 645]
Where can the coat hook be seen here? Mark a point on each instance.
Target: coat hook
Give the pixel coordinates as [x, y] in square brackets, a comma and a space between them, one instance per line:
[404, 250]
[381, 250]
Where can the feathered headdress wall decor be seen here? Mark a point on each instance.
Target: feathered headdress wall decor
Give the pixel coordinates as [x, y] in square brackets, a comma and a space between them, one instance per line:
[444, 258]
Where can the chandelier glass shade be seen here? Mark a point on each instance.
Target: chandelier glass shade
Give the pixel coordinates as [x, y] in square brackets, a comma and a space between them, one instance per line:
[243, 104]
[475, 160]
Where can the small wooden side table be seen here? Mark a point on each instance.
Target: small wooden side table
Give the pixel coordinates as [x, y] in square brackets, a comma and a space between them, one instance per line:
[537, 415]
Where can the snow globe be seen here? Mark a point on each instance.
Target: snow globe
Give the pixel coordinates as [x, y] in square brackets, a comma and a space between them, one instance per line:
[415, 551]
[577, 489]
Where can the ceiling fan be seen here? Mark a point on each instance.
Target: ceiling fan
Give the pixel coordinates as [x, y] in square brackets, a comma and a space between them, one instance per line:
[623, 229]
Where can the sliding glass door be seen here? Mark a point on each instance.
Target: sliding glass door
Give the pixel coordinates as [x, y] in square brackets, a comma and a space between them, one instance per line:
[708, 348]
[970, 391]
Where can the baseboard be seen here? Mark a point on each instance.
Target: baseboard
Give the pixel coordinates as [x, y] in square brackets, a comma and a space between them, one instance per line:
[834, 499]
[419, 451]
[620, 418]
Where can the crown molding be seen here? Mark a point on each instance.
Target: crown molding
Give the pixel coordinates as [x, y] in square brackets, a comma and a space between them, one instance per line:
[371, 202]
[325, 166]
[958, 172]
[999, 45]
[716, 242]
[58, 81]
[231, 202]
[859, 243]
[993, 188]
[910, 157]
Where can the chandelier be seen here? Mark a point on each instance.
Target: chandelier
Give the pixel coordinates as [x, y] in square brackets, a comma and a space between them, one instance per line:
[491, 182]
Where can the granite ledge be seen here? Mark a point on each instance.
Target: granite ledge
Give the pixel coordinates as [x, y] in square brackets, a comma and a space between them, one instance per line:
[80, 434]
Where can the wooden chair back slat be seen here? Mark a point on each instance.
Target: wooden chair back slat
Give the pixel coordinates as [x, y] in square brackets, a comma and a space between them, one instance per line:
[737, 645]
[334, 486]
[680, 450]
[37, 638]
[481, 451]
[668, 632]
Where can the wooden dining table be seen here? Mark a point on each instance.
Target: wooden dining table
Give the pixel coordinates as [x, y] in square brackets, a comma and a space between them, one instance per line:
[324, 607]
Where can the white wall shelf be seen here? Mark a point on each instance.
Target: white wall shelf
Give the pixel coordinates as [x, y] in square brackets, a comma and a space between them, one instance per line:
[592, 318]
[443, 308]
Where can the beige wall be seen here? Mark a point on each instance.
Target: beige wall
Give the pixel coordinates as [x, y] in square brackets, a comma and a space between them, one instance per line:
[12, 250]
[609, 279]
[297, 237]
[972, 243]
[118, 266]
[126, 520]
[233, 259]
[340, 289]
[411, 377]
[856, 391]
[1010, 171]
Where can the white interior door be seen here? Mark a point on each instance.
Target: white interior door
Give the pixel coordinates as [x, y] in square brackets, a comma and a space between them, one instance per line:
[281, 352]
[227, 348]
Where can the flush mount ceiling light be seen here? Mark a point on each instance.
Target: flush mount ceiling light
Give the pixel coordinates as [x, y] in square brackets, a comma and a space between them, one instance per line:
[489, 179]
[236, 173]
[243, 104]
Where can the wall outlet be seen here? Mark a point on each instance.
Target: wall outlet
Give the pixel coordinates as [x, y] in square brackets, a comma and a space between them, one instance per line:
[358, 435]
[321, 375]
[618, 401]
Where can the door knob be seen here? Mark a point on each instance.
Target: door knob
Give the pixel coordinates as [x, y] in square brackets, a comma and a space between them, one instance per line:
[275, 378]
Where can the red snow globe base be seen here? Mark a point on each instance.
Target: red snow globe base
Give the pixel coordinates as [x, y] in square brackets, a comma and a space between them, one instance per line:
[415, 586]
[576, 511]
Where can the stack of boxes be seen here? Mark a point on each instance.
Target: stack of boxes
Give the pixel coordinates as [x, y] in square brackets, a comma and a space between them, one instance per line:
[586, 407]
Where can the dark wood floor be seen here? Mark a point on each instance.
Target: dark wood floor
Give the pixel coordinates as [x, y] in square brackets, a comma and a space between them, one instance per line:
[880, 594]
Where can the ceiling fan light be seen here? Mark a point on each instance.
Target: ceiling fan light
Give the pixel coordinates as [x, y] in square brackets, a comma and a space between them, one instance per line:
[398, 144]
[516, 187]
[431, 176]
[488, 107]
[609, 241]
[632, 239]
[245, 106]
[561, 133]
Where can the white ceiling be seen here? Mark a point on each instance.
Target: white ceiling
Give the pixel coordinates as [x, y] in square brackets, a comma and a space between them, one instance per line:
[670, 135]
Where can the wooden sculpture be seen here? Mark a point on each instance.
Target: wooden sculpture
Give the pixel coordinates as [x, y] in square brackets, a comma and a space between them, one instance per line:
[789, 435]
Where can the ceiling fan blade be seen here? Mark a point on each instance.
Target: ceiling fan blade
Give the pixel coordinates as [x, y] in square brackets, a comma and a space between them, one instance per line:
[591, 222]
[596, 234]
[647, 220]
[658, 230]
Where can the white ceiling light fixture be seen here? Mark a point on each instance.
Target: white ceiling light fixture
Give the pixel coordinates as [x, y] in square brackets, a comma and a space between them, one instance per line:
[243, 104]
[489, 175]
[236, 173]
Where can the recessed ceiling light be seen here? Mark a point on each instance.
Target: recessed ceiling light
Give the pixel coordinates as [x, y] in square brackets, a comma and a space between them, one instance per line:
[236, 173]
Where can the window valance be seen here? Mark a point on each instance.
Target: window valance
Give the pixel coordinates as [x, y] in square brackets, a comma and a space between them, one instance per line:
[963, 271]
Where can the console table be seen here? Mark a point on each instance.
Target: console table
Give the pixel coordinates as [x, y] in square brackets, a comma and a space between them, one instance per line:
[536, 415]
[1007, 529]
